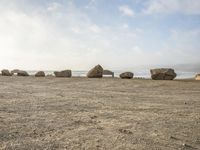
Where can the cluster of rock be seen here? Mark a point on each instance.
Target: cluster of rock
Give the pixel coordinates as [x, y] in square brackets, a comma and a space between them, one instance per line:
[6, 72]
[64, 73]
[99, 72]
[156, 74]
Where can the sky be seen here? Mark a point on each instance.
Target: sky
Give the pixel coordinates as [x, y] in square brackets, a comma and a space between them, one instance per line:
[118, 34]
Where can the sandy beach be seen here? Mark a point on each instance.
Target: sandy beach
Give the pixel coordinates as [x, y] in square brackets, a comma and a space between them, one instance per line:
[109, 113]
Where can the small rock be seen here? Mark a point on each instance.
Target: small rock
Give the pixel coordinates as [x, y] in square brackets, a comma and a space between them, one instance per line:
[22, 73]
[127, 75]
[186, 145]
[40, 74]
[93, 117]
[6, 72]
[125, 131]
[172, 137]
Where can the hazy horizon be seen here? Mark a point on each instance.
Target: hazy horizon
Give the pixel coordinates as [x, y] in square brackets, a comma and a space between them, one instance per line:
[118, 34]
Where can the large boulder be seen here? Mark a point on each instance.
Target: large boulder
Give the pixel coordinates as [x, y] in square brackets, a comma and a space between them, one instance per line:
[163, 74]
[40, 74]
[6, 72]
[96, 72]
[108, 72]
[197, 77]
[22, 73]
[64, 73]
[126, 75]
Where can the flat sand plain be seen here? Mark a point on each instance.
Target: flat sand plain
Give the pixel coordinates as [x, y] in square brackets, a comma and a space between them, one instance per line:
[105, 114]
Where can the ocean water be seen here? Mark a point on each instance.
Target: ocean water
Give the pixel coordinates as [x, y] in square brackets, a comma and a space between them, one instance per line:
[137, 73]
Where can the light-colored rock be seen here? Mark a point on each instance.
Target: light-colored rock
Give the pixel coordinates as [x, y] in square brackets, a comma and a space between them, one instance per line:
[108, 72]
[64, 73]
[40, 74]
[22, 73]
[126, 75]
[197, 77]
[6, 72]
[163, 74]
[96, 72]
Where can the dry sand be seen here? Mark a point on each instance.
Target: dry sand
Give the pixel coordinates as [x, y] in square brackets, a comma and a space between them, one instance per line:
[89, 114]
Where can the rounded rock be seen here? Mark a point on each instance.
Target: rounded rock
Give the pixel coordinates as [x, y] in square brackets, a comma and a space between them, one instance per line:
[40, 74]
[126, 75]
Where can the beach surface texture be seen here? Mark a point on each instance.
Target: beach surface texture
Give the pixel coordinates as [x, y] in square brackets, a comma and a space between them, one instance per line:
[98, 114]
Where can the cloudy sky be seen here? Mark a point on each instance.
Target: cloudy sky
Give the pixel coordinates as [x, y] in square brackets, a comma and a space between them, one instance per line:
[78, 34]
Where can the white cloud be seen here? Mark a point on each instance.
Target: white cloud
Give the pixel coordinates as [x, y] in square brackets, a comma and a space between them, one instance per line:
[54, 6]
[126, 10]
[125, 26]
[39, 39]
[172, 6]
[91, 5]
[94, 28]
[182, 47]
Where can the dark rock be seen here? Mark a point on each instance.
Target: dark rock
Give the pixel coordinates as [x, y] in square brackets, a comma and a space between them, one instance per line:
[6, 72]
[126, 75]
[64, 73]
[15, 71]
[22, 73]
[40, 74]
[163, 74]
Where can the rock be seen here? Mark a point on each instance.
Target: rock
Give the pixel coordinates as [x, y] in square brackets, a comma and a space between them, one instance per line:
[40, 74]
[6, 72]
[197, 77]
[22, 73]
[125, 131]
[64, 73]
[15, 71]
[19, 72]
[188, 146]
[163, 74]
[126, 75]
[108, 72]
[96, 72]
